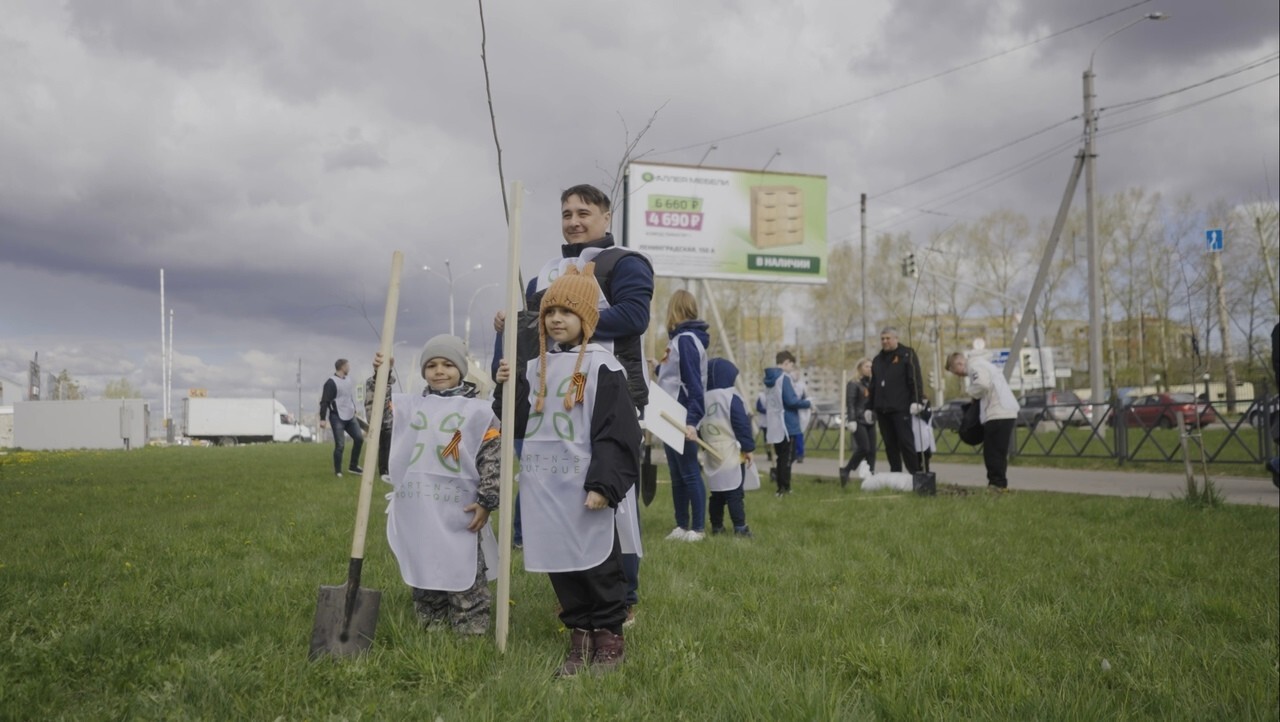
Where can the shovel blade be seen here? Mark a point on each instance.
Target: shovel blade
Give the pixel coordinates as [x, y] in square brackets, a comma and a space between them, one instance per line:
[648, 477]
[335, 634]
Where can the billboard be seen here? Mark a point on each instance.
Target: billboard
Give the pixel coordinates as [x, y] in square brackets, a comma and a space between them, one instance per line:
[720, 223]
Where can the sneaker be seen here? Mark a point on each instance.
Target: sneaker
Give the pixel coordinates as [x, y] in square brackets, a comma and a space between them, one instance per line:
[694, 536]
[338, 474]
[997, 490]
[844, 478]
[355, 469]
[744, 533]
[677, 534]
[386, 478]
[778, 495]
[631, 616]
[717, 530]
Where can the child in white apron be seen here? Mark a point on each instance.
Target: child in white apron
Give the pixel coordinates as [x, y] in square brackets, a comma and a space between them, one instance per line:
[726, 427]
[580, 456]
[444, 467]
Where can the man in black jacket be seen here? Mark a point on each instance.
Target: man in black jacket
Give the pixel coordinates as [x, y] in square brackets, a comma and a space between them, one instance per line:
[897, 391]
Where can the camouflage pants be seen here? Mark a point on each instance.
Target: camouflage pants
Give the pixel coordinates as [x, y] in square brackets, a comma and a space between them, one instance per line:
[467, 611]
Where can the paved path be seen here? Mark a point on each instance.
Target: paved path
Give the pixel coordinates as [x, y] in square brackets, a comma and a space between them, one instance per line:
[1235, 489]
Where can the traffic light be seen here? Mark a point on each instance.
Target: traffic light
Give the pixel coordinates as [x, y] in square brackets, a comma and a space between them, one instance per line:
[909, 269]
[1029, 367]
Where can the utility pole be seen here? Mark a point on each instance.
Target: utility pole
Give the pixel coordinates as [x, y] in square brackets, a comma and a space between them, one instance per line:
[1091, 222]
[164, 355]
[866, 346]
[1224, 328]
[1091, 231]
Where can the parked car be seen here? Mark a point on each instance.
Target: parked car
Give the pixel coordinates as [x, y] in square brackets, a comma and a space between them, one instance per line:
[1261, 408]
[1062, 406]
[949, 414]
[1162, 410]
[827, 416]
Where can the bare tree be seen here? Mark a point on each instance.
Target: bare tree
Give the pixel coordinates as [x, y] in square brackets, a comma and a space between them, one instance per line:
[615, 176]
[835, 308]
[999, 243]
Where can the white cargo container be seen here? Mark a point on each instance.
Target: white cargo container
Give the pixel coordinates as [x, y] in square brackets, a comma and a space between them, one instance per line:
[228, 422]
[112, 424]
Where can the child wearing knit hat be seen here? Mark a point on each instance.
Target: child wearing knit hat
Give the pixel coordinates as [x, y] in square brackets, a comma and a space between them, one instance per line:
[445, 468]
[580, 455]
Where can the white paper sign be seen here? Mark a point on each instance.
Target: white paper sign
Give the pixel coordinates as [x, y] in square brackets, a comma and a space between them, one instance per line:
[660, 403]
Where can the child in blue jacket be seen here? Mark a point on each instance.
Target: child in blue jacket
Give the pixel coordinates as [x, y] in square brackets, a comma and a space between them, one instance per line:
[782, 406]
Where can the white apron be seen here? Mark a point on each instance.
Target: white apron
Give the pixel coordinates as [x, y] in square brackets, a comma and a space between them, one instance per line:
[669, 370]
[345, 402]
[776, 431]
[628, 520]
[716, 431]
[560, 533]
[426, 526]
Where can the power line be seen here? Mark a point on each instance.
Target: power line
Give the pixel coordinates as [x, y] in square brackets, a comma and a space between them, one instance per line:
[1172, 111]
[1004, 174]
[981, 185]
[1134, 104]
[904, 86]
[971, 159]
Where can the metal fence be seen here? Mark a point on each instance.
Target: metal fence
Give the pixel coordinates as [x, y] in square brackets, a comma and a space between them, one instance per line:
[1243, 432]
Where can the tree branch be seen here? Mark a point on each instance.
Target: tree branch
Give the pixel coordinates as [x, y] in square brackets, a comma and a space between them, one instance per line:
[493, 120]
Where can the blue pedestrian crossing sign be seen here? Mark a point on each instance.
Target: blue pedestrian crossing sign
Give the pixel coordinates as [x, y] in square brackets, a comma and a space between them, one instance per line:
[1213, 240]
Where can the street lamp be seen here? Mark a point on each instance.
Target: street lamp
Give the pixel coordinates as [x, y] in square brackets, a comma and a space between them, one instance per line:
[448, 276]
[1091, 224]
[466, 325]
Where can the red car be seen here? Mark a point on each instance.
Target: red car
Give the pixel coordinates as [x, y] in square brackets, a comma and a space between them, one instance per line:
[1162, 410]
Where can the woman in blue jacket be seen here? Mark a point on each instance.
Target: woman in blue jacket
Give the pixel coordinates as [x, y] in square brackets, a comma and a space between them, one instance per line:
[682, 373]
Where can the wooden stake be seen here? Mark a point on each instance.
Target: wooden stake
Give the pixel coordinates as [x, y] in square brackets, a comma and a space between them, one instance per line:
[506, 495]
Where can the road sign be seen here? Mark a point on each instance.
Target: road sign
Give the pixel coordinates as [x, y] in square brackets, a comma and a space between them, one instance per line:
[1213, 240]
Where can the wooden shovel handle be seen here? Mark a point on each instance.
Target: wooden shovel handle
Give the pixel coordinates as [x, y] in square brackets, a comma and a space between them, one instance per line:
[375, 417]
[680, 424]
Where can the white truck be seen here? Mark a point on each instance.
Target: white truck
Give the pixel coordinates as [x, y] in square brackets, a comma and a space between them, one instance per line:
[227, 422]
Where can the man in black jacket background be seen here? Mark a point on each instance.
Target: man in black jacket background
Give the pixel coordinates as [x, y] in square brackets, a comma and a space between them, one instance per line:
[897, 391]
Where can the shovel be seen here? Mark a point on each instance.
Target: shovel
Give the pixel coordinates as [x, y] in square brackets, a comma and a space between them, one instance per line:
[347, 615]
[648, 477]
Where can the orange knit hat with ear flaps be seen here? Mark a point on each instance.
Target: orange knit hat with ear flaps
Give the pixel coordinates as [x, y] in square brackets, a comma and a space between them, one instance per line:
[577, 291]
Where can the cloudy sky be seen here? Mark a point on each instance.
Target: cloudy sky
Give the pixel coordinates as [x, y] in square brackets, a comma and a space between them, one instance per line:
[271, 156]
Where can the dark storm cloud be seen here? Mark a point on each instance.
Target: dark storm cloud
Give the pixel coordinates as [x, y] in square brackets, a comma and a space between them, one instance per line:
[271, 156]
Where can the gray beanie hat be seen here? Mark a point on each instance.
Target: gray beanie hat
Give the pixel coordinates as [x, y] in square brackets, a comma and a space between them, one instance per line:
[446, 347]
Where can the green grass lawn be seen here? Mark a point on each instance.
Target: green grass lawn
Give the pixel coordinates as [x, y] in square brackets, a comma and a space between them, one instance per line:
[181, 583]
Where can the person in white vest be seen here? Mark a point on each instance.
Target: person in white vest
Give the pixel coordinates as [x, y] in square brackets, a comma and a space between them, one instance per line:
[682, 373]
[338, 410]
[998, 411]
[782, 406]
[762, 423]
[726, 427]
[801, 383]
[579, 457]
[444, 462]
